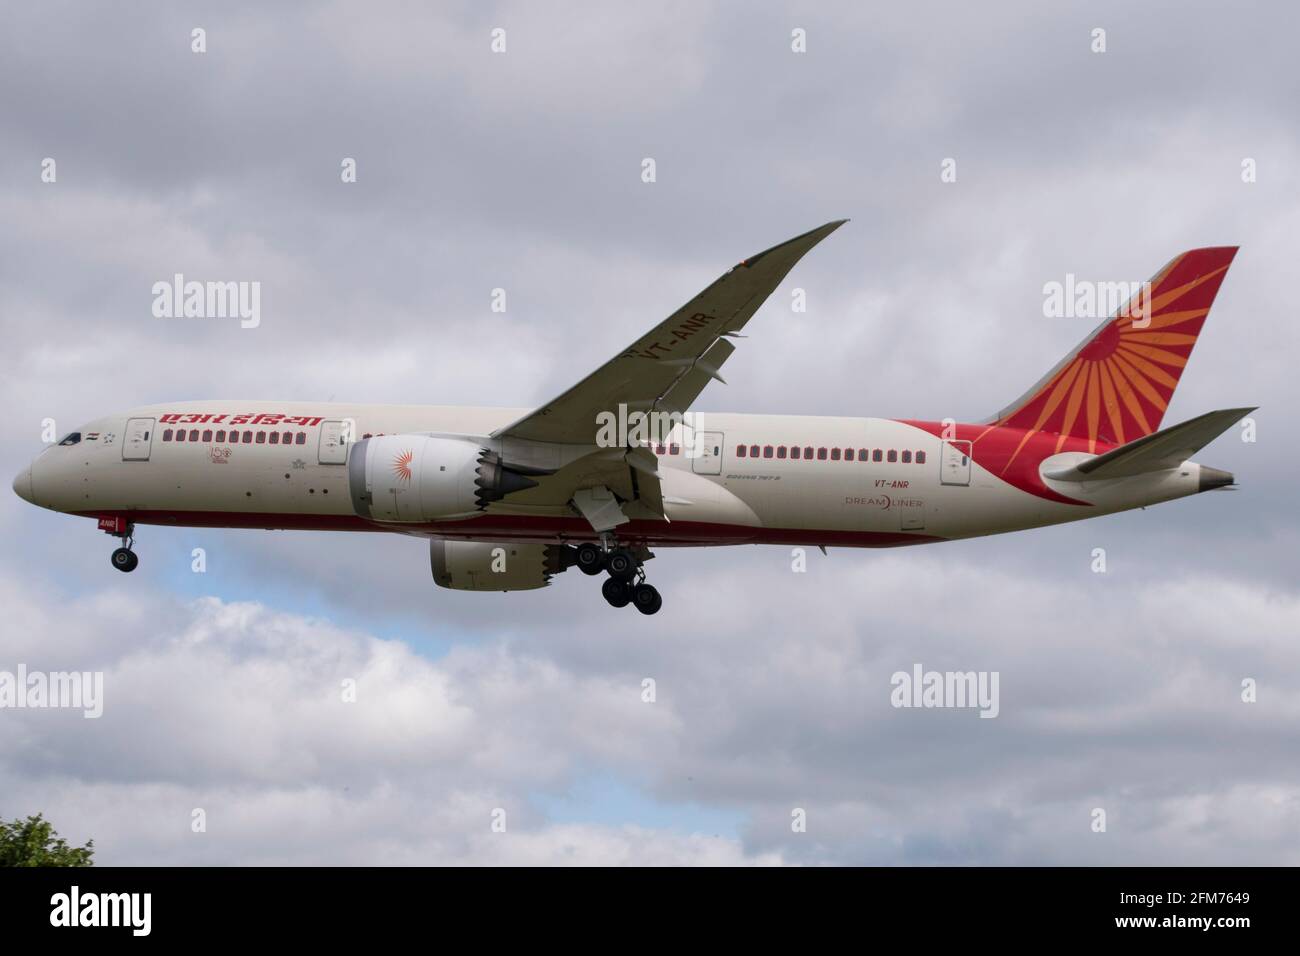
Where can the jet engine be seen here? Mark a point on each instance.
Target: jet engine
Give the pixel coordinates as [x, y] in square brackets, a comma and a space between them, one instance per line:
[488, 566]
[415, 478]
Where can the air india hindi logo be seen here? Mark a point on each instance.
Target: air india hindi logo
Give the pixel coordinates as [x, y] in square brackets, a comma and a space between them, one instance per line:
[402, 465]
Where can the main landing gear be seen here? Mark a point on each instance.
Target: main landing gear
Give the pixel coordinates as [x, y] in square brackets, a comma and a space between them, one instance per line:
[124, 559]
[626, 583]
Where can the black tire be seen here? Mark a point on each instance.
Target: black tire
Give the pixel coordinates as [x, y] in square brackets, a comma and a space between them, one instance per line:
[616, 592]
[621, 565]
[124, 559]
[647, 599]
[590, 558]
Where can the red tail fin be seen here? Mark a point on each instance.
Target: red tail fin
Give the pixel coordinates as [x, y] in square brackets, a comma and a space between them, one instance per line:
[1116, 386]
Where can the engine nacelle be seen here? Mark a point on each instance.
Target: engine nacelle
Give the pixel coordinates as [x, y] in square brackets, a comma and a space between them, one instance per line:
[488, 566]
[413, 478]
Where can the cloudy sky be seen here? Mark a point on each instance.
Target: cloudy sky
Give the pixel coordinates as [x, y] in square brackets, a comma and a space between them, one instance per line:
[522, 170]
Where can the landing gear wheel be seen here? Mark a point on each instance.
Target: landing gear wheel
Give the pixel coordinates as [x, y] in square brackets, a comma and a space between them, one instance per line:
[124, 559]
[621, 564]
[617, 593]
[647, 599]
[590, 558]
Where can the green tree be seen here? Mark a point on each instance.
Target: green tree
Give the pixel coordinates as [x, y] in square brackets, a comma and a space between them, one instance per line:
[33, 842]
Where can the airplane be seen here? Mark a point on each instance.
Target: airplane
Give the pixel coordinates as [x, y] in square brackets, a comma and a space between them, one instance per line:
[618, 465]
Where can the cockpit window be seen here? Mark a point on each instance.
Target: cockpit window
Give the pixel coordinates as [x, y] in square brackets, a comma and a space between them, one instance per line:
[71, 439]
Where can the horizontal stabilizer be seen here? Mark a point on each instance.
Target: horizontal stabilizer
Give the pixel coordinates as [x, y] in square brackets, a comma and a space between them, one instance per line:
[1158, 451]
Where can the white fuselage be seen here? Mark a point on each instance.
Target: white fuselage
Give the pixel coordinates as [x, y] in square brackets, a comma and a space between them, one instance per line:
[134, 466]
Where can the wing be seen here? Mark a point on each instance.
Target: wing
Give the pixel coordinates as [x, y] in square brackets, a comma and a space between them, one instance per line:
[668, 367]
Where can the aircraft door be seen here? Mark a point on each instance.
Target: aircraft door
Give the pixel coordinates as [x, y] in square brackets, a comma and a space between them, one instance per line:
[137, 439]
[334, 439]
[954, 465]
[708, 453]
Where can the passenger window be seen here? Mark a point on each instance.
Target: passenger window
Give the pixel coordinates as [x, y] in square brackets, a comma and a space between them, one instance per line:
[821, 454]
[920, 458]
[794, 451]
[907, 457]
[808, 452]
[862, 454]
[740, 451]
[780, 451]
[261, 438]
[221, 435]
[893, 455]
[674, 449]
[302, 438]
[753, 451]
[207, 434]
[275, 438]
[180, 434]
[835, 454]
[875, 454]
[167, 434]
[767, 451]
[287, 438]
[194, 434]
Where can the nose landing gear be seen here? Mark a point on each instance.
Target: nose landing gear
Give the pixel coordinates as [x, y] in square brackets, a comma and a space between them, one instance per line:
[124, 559]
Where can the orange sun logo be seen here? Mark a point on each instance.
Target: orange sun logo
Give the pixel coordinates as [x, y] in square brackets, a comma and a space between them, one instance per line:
[1117, 387]
[402, 465]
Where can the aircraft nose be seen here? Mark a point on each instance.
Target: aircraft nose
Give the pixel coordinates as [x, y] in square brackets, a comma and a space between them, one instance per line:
[23, 485]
